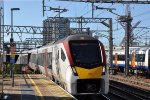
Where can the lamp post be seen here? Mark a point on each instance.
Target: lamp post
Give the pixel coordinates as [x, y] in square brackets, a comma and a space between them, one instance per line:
[12, 9]
[12, 47]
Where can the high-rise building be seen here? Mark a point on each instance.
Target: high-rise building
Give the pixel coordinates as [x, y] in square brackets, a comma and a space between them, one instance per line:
[55, 29]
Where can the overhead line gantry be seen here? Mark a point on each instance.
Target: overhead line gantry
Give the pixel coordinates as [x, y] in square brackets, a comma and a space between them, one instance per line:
[112, 1]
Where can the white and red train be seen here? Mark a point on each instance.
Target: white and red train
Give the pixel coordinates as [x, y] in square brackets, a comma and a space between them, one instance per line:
[77, 63]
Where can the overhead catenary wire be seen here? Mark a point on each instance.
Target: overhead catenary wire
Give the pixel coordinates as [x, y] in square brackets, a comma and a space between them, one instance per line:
[116, 29]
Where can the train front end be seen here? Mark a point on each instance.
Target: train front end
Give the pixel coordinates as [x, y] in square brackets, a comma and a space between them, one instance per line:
[88, 64]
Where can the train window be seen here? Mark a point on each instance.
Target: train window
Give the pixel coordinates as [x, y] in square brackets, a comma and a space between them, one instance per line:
[121, 57]
[63, 57]
[140, 57]
[86, 54]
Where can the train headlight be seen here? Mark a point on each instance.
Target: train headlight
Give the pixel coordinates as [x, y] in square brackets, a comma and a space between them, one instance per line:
[104, 70]
[74, 70]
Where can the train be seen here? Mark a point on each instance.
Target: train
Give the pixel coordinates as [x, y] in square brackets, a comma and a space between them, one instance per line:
[139, 59]
[77, 63]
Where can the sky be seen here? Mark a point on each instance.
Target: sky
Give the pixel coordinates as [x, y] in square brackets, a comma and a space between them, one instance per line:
[30, 14]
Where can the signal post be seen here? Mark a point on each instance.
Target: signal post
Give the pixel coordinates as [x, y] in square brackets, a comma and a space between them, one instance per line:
[12, 60]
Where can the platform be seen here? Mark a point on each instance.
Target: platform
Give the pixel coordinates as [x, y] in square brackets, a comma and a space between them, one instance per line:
[33, 87]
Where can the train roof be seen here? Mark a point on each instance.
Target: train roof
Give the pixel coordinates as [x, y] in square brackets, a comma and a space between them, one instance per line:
[76, 37]
[70, 38]
[131, 49]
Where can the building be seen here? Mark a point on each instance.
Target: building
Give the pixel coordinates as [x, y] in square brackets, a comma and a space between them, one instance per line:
[55, 29]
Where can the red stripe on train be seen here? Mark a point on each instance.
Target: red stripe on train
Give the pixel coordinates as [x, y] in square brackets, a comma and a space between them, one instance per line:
[103, 53]
[67, 49]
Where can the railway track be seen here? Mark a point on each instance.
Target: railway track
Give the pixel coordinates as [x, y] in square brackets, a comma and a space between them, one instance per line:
[127, 92]
[139, 82]
[92, 97]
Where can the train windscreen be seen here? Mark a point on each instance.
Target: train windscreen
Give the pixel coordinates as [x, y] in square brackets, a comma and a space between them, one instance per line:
[86, 54]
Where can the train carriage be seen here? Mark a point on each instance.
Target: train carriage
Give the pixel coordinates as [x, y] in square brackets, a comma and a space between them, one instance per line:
[76, 62]
[142, 57]
[139, 58]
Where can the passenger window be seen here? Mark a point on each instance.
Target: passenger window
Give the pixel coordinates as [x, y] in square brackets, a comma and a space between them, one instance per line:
[63, 57]
[50, 60]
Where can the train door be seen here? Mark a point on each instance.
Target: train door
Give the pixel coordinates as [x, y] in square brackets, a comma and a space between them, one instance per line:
[29, 55]
[116, 59]
[46, 62]
[55, 63]
[50, 64]
[137, 58]
[58, 63]
[63, 64]
[133, 60]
